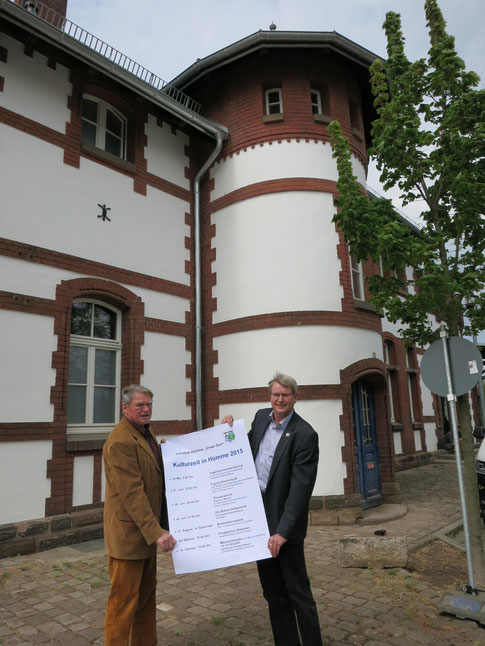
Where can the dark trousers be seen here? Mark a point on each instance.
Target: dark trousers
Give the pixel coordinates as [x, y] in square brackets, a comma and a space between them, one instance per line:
[130, 609]
[286, 588]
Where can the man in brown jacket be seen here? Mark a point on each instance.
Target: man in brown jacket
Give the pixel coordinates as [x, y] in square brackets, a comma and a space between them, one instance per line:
[132, 522]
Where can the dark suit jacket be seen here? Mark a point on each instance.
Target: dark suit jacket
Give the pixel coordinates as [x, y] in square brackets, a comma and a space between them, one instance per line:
[134, 494]
[292, 475]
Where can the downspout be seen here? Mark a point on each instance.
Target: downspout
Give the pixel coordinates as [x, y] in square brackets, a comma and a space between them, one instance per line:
[198, 281]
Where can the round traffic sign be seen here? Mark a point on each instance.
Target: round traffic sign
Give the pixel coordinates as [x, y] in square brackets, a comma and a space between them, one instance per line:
[465, 362]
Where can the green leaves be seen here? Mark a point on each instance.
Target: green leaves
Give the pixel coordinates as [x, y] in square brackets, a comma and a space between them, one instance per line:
[429, 142]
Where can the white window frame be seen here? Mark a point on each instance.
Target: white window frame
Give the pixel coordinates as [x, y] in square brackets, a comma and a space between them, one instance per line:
[357, 278]
[100, 125]
[316, 101]
[269, 103]
[92, 344]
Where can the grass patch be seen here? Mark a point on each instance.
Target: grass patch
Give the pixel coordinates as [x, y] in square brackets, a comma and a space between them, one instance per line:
[218, 621]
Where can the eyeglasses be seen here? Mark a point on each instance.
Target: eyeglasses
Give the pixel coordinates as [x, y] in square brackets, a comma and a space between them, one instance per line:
[282, 395]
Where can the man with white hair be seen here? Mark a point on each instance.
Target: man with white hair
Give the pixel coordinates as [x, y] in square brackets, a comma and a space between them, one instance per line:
[133, 522]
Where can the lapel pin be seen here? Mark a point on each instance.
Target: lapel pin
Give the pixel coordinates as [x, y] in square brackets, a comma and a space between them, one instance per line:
[287, 435]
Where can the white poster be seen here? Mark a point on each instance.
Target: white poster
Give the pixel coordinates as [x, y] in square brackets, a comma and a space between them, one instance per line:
[215, 508]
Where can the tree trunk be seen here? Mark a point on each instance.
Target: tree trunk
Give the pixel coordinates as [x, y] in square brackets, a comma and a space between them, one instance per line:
[477, 533]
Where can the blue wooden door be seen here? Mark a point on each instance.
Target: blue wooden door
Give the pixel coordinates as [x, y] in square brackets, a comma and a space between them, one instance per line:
[366, 444]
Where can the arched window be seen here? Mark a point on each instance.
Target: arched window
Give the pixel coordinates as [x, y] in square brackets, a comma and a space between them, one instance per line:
[94, 366]
[103, 127]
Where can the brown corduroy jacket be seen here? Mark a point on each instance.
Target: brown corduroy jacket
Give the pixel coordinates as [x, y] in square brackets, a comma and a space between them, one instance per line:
[134, 494]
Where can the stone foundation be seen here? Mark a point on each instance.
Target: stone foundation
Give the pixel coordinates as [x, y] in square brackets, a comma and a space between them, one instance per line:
[27, 537]
[391, 493]
[335, 510]
[404, 462]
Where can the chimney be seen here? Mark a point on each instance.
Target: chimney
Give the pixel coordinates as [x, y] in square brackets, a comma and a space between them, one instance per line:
[52, 11]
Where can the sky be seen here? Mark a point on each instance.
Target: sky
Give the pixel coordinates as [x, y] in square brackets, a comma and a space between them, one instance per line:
[166, 37]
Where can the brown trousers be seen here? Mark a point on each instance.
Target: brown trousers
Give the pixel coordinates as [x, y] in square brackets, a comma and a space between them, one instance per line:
[131, 606]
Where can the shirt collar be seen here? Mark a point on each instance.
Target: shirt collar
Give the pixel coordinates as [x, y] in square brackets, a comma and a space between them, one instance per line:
[284, 422]
[144, 429]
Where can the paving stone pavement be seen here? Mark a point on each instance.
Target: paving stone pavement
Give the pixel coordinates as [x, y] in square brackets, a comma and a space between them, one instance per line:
[58, 597]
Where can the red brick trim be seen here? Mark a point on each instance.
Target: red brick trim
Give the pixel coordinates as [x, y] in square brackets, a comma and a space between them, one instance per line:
[361, 319]
[25, 303]
[29, 431]
[167, 187]
[273, 186]
[76, 264]
[251, 395]
[164, 327]
[32, 127]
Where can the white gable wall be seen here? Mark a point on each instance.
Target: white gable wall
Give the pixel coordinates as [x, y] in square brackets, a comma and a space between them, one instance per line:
[165, 359]
[25, 486]
[32, 89]
[60, 210]
[26, 345]
[165, 152]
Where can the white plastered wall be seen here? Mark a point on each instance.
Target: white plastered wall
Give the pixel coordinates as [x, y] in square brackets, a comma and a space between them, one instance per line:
[23, 468]
[273, 160]
[26, 345]
[430, 435]
[60, 210]
[165, 152]
[310, 354]
[165, 359]
[397, 437]
[426, 395]
[32, 89]
[82, 482]
[276, 253]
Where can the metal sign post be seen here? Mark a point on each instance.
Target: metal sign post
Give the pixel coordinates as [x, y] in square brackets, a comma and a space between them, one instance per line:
[451, 367]
[451, 397]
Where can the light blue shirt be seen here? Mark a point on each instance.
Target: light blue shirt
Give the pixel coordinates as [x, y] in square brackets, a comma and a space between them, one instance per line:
[267, 447]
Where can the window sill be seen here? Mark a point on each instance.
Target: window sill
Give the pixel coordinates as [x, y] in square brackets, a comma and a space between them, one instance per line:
[322, 118]
[358, 135]
[397, 427]
[98, 153]
[364, 305]
[86, 442]
[418, 426]
[273, 118]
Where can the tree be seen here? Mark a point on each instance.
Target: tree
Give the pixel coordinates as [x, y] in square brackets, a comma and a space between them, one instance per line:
[429, 141]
